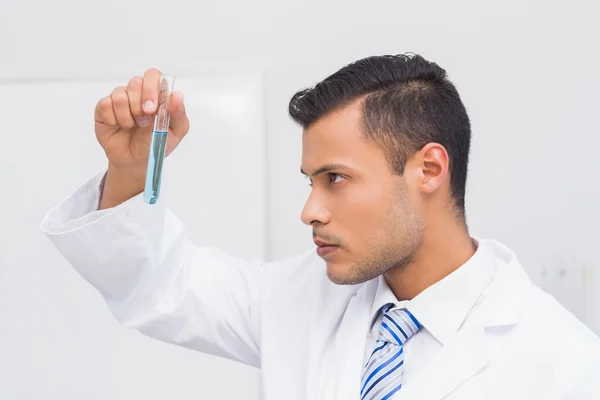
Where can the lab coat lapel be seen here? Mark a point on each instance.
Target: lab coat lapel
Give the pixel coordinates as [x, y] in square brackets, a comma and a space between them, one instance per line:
[458, 361]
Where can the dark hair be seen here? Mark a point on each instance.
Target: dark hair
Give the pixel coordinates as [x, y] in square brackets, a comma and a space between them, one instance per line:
[408, 102]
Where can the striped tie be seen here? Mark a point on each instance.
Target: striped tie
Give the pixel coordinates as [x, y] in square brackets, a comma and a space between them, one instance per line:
[382, 376]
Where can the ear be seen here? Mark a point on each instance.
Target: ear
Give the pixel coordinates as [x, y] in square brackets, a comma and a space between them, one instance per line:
[434, 167]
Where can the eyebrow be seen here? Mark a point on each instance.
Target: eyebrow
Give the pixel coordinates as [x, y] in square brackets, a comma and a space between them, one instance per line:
[324, 168]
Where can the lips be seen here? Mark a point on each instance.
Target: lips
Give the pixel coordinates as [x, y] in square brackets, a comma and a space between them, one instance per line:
[324, 249]
[320, 243]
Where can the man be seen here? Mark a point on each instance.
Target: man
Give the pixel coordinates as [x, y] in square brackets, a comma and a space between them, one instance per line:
[399, 301]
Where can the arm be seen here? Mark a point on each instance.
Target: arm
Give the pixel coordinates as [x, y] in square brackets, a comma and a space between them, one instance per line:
[154, 280]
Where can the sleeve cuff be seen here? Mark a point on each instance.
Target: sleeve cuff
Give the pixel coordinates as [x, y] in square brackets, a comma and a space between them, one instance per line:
[81, 208]
[110, 248]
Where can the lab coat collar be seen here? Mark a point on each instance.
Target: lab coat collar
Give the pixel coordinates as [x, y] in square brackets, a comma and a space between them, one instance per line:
[468, 352]
[503, 301]
[443, 307]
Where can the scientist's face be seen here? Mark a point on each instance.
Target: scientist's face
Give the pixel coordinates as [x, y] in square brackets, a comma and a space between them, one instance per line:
[363, 216]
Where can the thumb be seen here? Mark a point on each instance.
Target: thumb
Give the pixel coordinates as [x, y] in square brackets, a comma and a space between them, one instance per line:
[179, 123]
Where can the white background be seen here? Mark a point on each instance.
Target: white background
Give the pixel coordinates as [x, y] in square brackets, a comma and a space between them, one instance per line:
[58, 339]
[528, 72]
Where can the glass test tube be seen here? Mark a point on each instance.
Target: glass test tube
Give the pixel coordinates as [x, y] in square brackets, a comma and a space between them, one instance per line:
[158, 144]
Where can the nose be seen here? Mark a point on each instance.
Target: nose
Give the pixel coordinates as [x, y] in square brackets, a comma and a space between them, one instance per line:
[315, 211]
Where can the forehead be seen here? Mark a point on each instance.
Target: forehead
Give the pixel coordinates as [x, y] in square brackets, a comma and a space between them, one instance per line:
[338, 138]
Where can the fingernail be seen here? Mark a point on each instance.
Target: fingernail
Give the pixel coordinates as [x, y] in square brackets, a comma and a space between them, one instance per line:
[149, 106]
[143, 121]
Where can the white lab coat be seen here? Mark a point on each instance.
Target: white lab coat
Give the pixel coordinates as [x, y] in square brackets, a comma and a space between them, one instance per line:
[307, 334]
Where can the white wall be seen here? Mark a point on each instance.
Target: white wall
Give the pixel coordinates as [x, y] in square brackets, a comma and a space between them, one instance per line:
[58, 339]
[527, 72]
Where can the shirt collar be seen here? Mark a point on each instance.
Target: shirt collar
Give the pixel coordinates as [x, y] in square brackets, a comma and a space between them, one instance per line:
[442, 307]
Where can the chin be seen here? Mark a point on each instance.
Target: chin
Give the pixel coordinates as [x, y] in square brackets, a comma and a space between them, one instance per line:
[334, 271]
[342, 273]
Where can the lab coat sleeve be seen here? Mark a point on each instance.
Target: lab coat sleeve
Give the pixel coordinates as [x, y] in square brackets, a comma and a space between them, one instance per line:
[153, 279]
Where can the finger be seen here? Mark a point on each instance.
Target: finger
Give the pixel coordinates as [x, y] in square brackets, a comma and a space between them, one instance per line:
[179, 122]
[150, 89]
[175, 103]
[120, 102]
[104, 113]
[134, 92]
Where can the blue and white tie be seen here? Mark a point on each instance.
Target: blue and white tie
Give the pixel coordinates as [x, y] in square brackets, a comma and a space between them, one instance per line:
[383, 373]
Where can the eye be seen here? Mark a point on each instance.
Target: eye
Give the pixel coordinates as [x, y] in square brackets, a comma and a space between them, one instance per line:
[335, 178]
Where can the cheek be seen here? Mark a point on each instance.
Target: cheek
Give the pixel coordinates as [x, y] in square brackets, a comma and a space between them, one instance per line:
[362, 212]
[370, 198]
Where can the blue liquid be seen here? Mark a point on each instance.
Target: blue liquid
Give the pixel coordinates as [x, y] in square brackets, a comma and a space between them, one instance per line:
[156, 158]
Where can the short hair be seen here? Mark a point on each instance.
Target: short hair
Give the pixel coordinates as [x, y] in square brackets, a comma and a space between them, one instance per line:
[408, 103]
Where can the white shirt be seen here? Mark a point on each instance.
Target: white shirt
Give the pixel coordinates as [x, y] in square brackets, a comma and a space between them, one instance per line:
[441, 309]
[490, 333]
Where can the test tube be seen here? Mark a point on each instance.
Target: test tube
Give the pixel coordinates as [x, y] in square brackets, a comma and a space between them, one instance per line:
[158, 145]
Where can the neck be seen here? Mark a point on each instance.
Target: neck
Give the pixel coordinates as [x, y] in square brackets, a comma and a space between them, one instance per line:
[443, 250]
